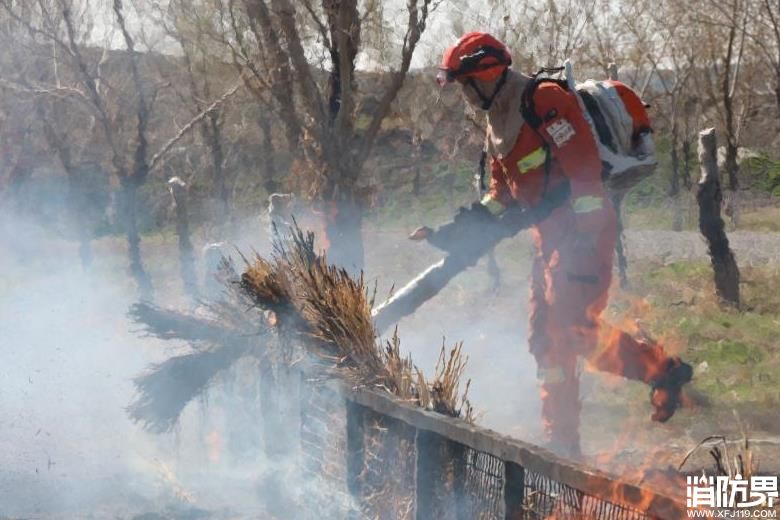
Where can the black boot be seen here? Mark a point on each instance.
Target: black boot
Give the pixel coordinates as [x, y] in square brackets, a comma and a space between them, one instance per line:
[666, 388]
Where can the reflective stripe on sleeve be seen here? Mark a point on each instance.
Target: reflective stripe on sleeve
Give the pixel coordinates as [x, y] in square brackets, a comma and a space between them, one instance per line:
[492, 204]
[532, 160]
[587, 204]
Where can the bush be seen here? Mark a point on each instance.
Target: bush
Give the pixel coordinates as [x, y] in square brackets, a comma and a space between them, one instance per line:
[763, 173]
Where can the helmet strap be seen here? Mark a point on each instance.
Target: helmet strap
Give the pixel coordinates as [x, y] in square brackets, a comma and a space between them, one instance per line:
[487, 101]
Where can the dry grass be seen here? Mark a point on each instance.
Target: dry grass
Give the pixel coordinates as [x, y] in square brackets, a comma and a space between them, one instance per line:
[170, 324]
[167, 388]
[443, 393]
[334, 310]
[388, 474]
[307, 299]
[742, 463]
[261, 281]
[219, 338]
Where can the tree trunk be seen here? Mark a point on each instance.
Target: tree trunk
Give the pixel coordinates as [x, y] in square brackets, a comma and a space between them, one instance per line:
[178, 189]
[79, 208]
[777, 94]
[686, 151]
[620, 249]
[709, 197]
[343, 227]
[129, 207]
[269, 166]
[674, 185]
[416, 180]
[732, 168]
[217, 161]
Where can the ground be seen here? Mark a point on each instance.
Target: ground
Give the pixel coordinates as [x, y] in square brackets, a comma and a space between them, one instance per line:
[671, 291]
[67, 447]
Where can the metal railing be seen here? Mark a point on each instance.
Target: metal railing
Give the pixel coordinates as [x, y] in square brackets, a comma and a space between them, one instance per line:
[365, 454]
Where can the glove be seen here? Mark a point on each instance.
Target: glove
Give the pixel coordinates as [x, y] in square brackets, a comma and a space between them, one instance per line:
[476, 214]
[465, 230]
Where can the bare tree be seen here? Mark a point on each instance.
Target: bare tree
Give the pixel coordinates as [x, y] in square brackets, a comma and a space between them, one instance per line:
[765, 33]
[671, 54]
[302, 57]
[65, 25]
[37, 88]
[120, 104]
[723, 31]
[197, 87]
[724, 265]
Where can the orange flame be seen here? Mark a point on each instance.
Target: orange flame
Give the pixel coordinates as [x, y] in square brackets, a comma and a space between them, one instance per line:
[616, 353]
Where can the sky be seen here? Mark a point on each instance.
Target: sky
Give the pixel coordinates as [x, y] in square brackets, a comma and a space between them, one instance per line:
[445, 25]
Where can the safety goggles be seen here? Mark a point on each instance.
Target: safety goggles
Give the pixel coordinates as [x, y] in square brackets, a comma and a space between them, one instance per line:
[473, 63]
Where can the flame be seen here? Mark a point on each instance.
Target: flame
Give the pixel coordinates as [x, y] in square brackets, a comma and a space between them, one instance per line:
[625, 347]
[653, 464]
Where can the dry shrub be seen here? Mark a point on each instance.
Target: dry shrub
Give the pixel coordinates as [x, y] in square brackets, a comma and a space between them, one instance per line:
[743, 463]
[400, 374]
[223, 334]
[262, 282]
[304, 296]
[444, 391]
[336, 307]
[166, 389]
[335, 310]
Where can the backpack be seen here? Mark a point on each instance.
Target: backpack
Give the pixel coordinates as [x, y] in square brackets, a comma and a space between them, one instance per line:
[619, 122]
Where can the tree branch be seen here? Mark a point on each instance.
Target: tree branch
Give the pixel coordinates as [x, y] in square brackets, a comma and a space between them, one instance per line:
[418, 17]
[155, 160]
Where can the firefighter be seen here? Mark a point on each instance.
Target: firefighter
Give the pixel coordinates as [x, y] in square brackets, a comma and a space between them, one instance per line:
[574, 245]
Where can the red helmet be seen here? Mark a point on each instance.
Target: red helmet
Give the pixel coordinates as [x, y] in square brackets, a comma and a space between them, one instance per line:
[475, 55]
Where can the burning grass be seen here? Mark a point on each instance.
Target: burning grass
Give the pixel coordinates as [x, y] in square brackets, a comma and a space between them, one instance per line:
[293, 295]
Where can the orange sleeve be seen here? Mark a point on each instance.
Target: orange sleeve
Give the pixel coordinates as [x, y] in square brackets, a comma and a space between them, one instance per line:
[574, 149]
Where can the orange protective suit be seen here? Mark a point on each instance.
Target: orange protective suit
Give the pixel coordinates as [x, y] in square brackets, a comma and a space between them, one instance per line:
[572, 267]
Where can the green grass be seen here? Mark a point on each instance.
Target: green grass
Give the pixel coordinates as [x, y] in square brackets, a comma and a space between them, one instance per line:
[766, 219]
[734, 352]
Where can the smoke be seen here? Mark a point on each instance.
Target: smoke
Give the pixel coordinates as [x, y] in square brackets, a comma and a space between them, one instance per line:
[67, 358]
[68, 354]
[491, 322]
